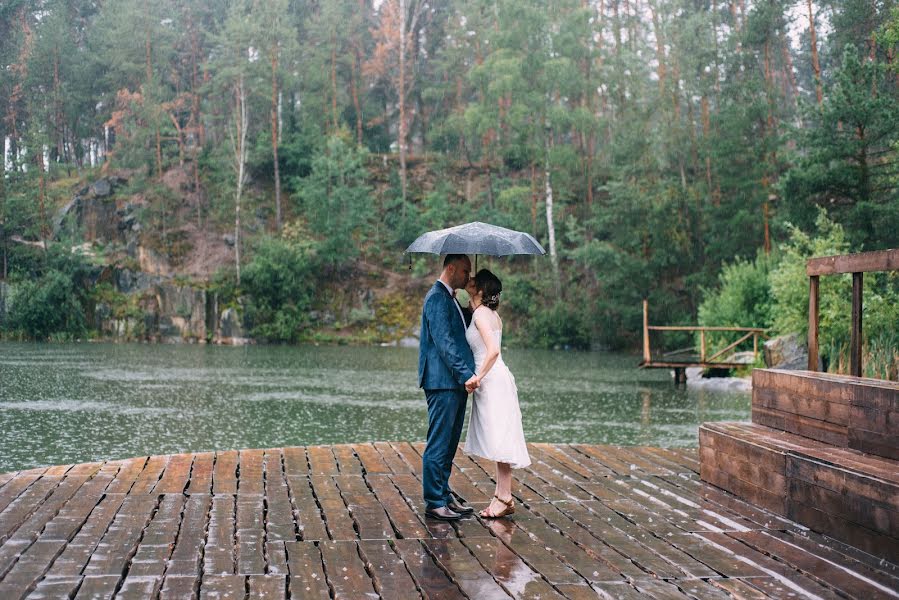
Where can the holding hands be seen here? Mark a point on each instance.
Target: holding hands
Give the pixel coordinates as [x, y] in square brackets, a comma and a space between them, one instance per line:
[472, 384]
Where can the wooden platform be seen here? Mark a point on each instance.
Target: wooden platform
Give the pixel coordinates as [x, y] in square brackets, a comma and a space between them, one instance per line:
[346, 522]
[821, 450]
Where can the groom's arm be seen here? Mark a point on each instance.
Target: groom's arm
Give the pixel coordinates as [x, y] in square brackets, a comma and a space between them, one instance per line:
[440, 312]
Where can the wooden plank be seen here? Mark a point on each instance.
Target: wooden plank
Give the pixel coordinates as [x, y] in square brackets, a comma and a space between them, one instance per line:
[621, 554]
[138, 588]
[410, 489]
[861, 262]
[322, 461]
[79, 550]
[97, 587]
[267, 587]
[280, 522]
[813, 320]
[309, 519]
[347, 461]
[405, 521]
[756, 562]
[149, 476]
[584, 560]
[367, 513]
[845, 480]
[468, 573]
[307, 576]
[371, 459]
[224, 477]
[201, 474]
[188, 553]
[388, 572]
[179, 588]
[223, 587]
[158, 539]
[250, 533]
[219, 557]
[177, 472]
[295, 462]
[509, 570]
[252, 479]
[336, 514]
[120, 541]
[345, 570]
[429, 577]
[409, 456]
[393, 460]
[847, 506]
[886, 547]
[276, 558]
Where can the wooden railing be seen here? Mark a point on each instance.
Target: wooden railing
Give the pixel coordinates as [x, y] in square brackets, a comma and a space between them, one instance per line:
[704, 359]
[857, 264]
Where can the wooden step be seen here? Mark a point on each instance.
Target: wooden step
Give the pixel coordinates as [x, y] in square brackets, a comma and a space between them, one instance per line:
[841, 492]
[840, 410]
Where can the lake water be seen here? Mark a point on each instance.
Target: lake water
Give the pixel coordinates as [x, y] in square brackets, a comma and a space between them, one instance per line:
[72, 403]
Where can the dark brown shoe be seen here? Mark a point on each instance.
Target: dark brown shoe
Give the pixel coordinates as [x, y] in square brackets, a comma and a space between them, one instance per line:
[443, 513]
[459, 508]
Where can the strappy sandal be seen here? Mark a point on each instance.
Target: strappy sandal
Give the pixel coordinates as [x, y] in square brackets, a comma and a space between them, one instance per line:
[510, 509]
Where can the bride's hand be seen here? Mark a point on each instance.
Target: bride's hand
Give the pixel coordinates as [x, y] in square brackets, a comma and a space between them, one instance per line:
[472, 384]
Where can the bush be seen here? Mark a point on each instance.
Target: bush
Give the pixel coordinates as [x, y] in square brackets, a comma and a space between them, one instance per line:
[561, 326]
[279, 286]
[48, 306]
[742, 300]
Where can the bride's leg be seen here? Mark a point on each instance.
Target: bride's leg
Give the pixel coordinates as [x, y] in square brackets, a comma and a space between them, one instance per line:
[503, 489]
[503, 480]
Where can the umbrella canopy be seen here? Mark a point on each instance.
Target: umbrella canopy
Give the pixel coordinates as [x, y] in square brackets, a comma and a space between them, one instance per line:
[476, 238]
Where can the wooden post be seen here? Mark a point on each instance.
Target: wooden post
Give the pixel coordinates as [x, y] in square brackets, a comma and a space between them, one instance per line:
[755, 346]
[813, 323]
[701, 346]
[855, 340]
[647, 357]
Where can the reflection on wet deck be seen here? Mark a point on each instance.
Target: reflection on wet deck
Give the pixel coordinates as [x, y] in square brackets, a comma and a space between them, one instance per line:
[346, 522]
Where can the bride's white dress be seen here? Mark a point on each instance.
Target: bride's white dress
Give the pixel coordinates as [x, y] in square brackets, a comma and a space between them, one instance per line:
[494, 428]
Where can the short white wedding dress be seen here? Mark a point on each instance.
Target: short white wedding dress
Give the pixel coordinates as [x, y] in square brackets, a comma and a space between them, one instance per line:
[494, 428]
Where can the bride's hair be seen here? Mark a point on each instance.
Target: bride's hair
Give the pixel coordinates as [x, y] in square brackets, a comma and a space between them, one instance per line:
[491, 286]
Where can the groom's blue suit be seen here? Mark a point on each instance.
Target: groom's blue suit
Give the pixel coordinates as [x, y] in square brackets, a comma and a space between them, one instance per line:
[445, 363]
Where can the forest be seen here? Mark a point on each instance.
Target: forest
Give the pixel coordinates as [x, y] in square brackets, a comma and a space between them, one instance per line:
[692, 152]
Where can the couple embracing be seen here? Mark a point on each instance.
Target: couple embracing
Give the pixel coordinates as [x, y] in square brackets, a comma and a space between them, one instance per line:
[460, 354]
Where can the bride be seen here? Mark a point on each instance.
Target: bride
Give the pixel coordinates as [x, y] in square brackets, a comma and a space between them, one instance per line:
[494, 430]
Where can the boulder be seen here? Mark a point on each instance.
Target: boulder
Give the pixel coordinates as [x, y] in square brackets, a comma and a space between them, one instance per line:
[786, 352]
[101, 188]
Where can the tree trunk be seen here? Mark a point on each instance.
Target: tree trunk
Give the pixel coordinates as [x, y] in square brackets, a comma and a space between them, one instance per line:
[354, 90]
[550, 225]
[239, 145]
[401, 92]
[816, 66]
[276, 135]
[334, 120]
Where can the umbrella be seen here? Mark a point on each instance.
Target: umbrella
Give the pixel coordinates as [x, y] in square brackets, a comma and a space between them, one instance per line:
[476, 238]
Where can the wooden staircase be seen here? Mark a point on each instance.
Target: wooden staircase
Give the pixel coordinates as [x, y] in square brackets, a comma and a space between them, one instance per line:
[821, 450]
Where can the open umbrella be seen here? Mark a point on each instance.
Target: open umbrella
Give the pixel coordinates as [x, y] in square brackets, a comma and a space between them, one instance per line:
[476, 238]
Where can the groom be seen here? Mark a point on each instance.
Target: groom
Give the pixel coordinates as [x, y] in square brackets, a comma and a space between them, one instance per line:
[446, 372]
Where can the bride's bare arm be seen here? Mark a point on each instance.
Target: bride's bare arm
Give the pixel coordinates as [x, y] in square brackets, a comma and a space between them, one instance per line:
[483, 324]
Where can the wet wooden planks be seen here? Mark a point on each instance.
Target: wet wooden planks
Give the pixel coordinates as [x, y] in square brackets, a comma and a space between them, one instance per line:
[346, 522]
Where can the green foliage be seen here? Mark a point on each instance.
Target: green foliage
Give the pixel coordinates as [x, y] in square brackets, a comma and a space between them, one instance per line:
[46, 307]
[337, 202]
[279, 284]
[561, 326]
[743, 298]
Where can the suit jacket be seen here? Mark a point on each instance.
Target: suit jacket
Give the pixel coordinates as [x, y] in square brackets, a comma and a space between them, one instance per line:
[445, 361]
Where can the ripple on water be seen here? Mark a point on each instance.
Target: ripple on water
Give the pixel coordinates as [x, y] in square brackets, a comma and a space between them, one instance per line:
[88, 406]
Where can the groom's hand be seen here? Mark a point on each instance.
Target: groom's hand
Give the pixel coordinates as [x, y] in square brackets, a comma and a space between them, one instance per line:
[472, 384]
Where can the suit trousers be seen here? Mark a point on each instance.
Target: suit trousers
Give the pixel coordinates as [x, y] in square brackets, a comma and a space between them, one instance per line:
[446, 415]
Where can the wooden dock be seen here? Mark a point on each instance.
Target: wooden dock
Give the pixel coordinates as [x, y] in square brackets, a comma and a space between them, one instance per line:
[346, 522]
